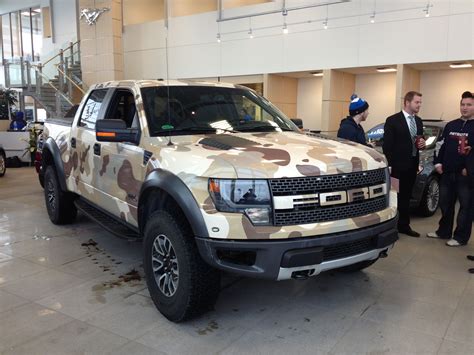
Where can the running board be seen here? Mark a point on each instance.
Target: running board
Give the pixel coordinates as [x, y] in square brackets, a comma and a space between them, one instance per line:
[109, 223]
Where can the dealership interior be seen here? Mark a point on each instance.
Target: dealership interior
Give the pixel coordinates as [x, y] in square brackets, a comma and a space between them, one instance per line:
[145, 252]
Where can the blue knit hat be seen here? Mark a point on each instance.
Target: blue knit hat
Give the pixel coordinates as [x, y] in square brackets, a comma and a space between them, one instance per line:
[357, 105]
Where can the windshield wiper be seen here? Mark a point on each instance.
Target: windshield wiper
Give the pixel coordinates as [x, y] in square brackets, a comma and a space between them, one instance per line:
[248, 127]
[195, 129]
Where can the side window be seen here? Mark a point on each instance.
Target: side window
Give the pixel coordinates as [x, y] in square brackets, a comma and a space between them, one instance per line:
[123, 108]
[91, 109]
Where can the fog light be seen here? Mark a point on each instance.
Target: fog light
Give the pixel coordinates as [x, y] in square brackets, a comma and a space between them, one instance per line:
[258, 215]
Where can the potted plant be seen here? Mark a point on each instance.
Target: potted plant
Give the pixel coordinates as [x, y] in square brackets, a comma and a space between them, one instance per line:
[7, 101]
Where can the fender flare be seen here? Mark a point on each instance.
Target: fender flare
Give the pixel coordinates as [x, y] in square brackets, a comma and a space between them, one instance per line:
[51, 145]
[177, 189]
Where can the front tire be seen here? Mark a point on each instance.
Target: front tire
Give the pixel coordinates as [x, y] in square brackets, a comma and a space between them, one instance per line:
[3, 164]
[180, 283]
[430, 200]
[60, 204]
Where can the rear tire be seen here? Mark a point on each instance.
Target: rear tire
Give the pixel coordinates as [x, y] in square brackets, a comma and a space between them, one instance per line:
[60, 204]
[358, 266]
[430, 200]
[180, 283]
[3, 164]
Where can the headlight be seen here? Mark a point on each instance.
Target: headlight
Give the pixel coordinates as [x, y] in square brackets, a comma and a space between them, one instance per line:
[251, 197]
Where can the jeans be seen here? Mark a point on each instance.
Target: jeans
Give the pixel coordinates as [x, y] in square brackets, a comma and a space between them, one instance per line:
[454, 187]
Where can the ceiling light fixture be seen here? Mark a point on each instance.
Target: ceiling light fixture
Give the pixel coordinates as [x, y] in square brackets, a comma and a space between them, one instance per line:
[372, 18]
[285, 29]
[250, 28]
[386, 70]
[460, 65]
[218, 37]
[317, 73]
[426, 10]
[325, 24]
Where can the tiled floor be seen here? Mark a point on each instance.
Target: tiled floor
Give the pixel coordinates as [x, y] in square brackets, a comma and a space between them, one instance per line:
[59, 295]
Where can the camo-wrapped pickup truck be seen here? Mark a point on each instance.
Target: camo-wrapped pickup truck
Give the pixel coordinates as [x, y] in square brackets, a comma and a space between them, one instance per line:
[214, 177]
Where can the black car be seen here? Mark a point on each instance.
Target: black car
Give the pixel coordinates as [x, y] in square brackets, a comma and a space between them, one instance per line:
[425, 196]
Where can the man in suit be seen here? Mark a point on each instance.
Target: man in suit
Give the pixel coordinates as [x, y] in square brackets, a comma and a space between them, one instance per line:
[403, 137]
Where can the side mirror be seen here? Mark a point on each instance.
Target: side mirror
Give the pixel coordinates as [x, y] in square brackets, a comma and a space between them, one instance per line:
[115, 131]
[298, 122]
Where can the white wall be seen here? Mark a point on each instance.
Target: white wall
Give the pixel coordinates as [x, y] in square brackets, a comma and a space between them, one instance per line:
[309, 102]
[403, 36]
[379, 90]
[442, 92]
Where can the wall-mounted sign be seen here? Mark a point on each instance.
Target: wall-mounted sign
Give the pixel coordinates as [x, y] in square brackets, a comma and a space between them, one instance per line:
[91, 15]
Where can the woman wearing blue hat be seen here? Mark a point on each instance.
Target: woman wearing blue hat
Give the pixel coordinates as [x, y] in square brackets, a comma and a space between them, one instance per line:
[350, 127]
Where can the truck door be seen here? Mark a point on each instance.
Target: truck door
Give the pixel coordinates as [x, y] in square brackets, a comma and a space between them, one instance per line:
[121, 171]
[84, 162]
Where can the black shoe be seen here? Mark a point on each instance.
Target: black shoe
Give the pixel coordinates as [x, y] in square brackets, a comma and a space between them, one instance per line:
[410, 232]
[471, 270]
[470, 257]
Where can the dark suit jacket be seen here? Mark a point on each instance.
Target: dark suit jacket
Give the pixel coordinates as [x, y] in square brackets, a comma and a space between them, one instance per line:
[397, 142]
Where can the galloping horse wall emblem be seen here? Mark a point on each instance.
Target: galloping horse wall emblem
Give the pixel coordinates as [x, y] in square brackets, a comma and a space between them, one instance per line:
[91, 15]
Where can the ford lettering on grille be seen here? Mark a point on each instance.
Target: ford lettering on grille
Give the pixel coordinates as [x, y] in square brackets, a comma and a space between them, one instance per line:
[328, 198]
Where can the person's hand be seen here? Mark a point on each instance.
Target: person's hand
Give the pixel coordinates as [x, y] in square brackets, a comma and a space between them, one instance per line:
[439, 168]
[371, 144]
[467, 149]
[421, 144]
[464, 172]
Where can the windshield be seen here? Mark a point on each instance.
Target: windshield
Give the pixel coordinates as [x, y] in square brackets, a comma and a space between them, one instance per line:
[208, 109]
[430, 133]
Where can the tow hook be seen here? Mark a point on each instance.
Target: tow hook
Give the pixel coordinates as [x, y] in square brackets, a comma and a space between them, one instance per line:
[383, 254]
[301, 275]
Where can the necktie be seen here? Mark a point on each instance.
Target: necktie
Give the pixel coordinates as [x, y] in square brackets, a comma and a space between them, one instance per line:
[412, 127]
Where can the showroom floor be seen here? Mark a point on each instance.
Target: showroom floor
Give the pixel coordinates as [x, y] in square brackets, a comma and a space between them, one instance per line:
[78, 289]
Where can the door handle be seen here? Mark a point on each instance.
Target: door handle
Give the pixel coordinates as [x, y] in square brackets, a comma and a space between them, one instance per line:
[97, 149]
[73, 142]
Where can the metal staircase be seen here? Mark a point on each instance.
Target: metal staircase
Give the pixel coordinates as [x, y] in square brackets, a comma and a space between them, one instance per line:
[55, 84]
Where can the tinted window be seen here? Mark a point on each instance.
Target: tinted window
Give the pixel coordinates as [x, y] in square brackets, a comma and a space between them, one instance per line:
[123, 108]
[182, 109]
[91, 109]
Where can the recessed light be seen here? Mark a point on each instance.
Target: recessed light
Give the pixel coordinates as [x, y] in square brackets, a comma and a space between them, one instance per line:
[386, 70]
[317, 73]
[460, 65]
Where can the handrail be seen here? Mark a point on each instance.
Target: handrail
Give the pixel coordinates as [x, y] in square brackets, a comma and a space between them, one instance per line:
[61, 51]
[54, 87]
[70, 79]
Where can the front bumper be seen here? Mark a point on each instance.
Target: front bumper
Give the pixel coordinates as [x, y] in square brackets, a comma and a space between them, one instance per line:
[280, 260]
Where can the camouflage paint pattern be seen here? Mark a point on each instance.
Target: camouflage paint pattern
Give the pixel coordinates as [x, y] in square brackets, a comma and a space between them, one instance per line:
[113, 180]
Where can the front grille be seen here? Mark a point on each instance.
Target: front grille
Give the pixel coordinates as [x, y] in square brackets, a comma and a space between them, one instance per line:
[326, 183]
[344, 250]
[330, 213]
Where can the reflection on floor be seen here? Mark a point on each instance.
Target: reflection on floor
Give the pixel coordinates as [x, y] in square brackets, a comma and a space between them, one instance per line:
[78, 289]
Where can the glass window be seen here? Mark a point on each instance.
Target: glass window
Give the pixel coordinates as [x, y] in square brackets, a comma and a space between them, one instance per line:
[91, 109]
[25, 16]
[123, 108]
[208, 108]
[16, 34]
[6, 37]
[37, 31]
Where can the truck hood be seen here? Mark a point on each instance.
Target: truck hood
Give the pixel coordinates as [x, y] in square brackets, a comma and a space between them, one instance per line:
[266, 155]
